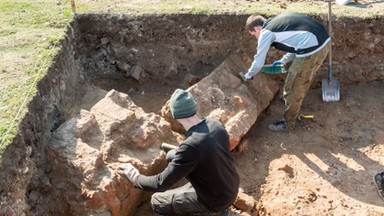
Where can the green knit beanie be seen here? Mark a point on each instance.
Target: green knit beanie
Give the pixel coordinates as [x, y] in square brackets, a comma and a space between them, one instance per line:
[182, 104]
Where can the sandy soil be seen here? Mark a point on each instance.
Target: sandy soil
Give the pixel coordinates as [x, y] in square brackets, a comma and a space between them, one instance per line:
[325, 166]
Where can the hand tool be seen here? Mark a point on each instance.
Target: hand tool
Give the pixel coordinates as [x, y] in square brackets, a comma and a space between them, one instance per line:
[302, 116]
[167, 147]
[330, 87]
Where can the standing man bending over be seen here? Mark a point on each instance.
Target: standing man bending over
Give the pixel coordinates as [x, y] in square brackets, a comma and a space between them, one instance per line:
[307, 44]
[203, 158]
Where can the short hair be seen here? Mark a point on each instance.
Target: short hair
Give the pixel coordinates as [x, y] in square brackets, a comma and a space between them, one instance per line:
[253, 21]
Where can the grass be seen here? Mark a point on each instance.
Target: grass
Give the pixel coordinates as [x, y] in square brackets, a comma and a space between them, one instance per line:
[30, 32]
[362, 9]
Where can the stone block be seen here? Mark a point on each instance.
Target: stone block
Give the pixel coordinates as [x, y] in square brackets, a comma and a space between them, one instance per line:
[225, 96]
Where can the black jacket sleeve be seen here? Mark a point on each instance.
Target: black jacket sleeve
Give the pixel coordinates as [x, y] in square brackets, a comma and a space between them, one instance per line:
[185, 160]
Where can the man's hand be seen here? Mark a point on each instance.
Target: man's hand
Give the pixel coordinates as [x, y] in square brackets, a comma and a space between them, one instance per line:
[277, 63]
[248, 77]
[129, 170]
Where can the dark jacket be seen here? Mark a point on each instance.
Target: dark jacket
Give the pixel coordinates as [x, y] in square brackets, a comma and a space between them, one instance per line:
[292, 25]
[205, 160]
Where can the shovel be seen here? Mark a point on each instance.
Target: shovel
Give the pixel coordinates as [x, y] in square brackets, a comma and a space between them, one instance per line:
[330, 87]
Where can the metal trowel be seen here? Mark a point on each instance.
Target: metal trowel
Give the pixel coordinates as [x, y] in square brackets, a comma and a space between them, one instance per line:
[241, 74]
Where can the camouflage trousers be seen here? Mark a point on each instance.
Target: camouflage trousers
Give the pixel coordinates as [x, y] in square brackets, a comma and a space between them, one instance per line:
[298, 81]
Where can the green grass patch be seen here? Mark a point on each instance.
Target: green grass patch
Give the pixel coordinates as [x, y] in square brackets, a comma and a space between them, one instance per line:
[29, 36]
[16, 95]
[33, 14]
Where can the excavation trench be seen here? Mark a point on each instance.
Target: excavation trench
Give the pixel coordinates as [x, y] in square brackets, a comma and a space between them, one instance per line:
[104, 101]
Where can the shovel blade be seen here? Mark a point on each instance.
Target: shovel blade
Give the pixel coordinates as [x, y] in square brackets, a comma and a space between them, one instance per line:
[331, 90]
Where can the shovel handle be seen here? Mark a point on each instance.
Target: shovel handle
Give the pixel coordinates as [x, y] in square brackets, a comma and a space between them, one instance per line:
[167, 147]
[330, 36]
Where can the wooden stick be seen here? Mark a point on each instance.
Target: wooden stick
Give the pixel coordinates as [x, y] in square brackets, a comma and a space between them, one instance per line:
[167, 147]
[73, 6]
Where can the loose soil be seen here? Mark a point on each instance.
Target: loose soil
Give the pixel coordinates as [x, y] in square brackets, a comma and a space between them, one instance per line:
[323, 167]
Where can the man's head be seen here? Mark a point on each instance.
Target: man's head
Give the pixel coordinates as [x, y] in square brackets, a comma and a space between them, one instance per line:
[182, 104]
[254, 25]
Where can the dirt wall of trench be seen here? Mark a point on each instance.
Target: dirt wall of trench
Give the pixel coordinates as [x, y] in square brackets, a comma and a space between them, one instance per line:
[198, 43]
[106, 47]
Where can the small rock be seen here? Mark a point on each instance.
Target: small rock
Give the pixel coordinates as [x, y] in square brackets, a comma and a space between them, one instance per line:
[172, 71]
[191, 79]
[244, 202]
[104, 41]
[237, 101]
[124, 67]
[136, 72]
